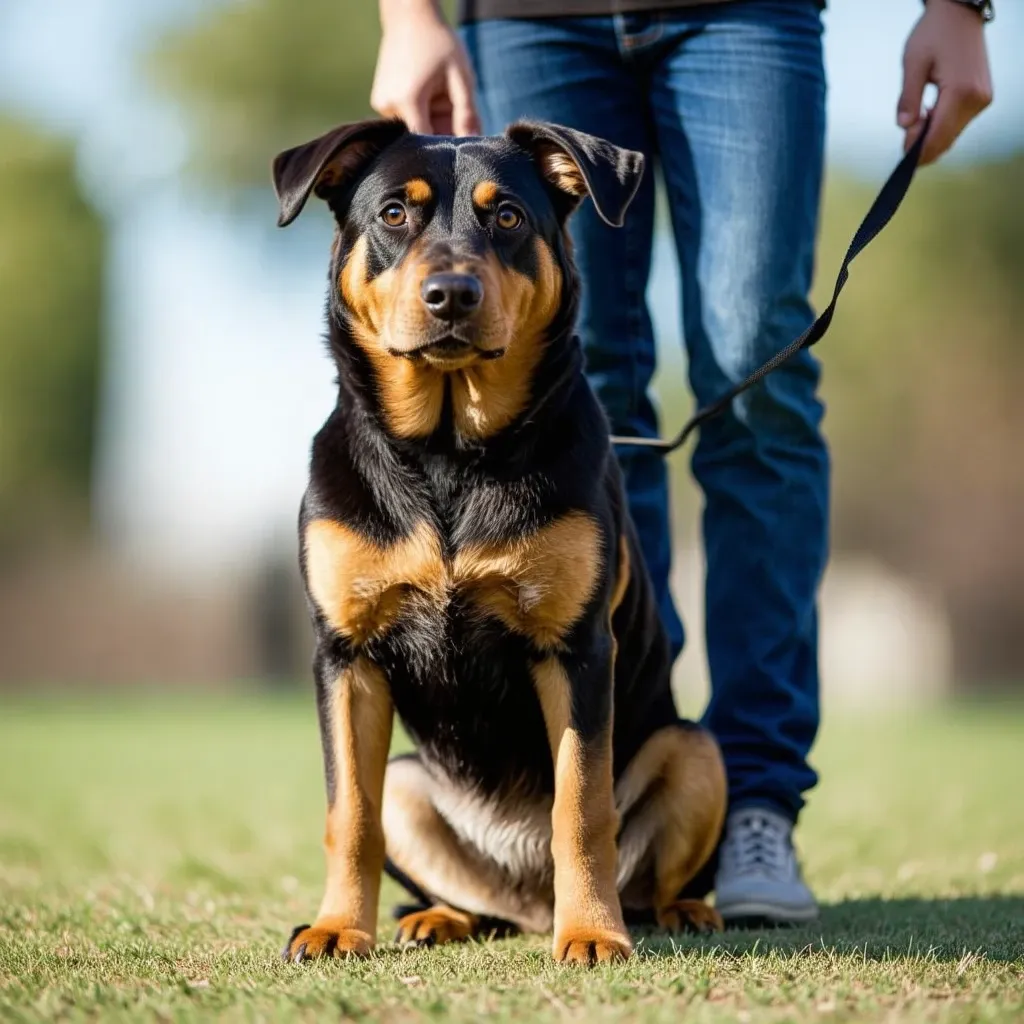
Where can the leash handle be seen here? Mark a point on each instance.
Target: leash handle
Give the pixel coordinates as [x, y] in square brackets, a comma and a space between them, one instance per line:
[882, 211]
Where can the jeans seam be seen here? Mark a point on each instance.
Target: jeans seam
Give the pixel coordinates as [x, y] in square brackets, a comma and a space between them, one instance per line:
[635, 298]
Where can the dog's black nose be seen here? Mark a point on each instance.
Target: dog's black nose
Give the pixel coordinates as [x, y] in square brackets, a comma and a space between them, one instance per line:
[452, 296]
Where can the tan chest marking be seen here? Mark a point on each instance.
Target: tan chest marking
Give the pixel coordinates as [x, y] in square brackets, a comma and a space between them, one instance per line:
[536, 585]
[361, 588]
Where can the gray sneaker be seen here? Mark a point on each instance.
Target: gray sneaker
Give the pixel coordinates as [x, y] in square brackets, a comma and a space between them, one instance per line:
[758, 880]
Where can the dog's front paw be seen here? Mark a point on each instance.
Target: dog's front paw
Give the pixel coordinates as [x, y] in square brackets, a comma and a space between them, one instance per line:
[325, 938]
[591, 946]
[435, 926]
[690, 916]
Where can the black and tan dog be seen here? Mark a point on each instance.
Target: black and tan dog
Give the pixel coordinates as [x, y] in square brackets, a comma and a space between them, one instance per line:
[470, 563]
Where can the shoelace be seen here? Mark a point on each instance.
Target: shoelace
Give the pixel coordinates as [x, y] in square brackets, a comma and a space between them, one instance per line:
[757, 845]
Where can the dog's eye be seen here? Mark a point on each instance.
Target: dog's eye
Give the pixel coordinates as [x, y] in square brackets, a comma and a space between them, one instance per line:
[394, 215]
[508, 218]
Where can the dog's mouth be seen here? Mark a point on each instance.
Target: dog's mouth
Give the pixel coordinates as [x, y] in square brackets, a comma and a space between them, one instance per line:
[449, 352]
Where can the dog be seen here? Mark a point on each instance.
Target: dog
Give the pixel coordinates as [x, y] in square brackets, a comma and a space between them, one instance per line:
[470, 563]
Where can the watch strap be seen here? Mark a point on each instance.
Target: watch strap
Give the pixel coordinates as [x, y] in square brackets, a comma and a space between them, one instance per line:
[983, 7]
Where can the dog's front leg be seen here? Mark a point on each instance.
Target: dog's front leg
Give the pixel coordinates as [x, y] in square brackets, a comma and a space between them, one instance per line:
[355, 723]
[575, 693]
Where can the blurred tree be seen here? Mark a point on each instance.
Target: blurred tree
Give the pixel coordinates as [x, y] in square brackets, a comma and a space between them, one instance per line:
[924, 376]
[52, 250]
[263, 75]
[924, 384]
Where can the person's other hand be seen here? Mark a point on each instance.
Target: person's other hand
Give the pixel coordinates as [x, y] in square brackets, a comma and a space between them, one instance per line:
[423, 74]
[947, 48]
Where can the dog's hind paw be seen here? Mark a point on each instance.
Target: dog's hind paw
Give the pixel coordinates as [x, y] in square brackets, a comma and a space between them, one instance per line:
[325, 938]
[690, 916]
[435, 926]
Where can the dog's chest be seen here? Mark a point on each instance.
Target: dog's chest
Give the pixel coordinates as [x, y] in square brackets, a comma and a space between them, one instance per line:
[536, 585]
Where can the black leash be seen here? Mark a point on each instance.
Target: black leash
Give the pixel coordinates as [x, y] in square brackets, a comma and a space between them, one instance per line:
[881, 212]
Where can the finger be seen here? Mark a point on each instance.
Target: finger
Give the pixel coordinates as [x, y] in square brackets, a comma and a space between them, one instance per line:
[416, 115]
[441, 115]
[916, 72]
[465, 120]
[442, 122]
[912, 134]
[949, 118]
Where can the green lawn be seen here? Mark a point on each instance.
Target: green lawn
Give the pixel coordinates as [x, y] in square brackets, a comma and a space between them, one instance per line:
[153, 857]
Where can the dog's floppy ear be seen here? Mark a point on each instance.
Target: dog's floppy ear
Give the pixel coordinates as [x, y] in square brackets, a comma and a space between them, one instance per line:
[578, 164]
[328, 162]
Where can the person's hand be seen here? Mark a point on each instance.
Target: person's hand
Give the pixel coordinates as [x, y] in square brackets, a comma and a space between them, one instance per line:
[947, 48]
[423, 74]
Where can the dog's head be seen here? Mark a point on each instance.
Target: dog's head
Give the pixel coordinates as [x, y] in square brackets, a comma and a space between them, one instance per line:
[452, 252]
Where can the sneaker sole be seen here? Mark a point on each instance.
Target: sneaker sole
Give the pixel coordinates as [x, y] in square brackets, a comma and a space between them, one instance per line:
[758, 915]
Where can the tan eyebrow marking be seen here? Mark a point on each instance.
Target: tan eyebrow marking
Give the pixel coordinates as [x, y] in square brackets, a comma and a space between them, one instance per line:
[485, 193]
[418, 191]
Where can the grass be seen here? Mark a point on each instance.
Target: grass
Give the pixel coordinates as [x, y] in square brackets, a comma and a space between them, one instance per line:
[153, 857]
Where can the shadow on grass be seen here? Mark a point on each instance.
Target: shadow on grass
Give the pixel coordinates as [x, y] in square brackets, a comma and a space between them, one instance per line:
[877, 929]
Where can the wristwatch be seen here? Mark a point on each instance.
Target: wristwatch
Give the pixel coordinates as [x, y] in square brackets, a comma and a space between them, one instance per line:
[983, 7]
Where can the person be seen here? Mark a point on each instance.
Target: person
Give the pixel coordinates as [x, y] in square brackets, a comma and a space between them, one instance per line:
[729, 98]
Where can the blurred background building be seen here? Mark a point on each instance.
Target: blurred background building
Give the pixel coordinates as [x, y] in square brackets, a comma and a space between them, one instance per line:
[161, 372]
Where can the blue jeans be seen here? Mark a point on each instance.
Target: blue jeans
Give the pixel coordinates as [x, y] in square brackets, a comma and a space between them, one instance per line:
[729, 101]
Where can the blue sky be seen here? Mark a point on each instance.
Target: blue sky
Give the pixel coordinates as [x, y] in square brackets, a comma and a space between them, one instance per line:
[204, 330]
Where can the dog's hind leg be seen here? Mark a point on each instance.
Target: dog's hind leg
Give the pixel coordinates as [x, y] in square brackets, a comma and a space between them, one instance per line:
[465, 893]
[672, 797]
